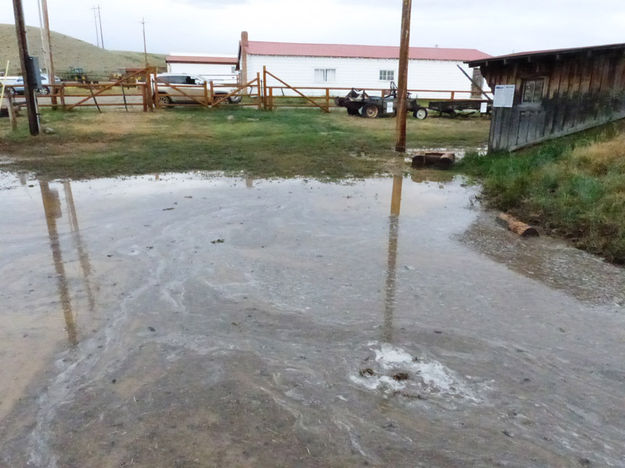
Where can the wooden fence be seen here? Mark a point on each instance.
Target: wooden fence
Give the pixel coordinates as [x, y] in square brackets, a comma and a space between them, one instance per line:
[145, 90]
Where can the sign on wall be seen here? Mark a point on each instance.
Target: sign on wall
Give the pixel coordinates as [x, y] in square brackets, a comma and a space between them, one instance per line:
[504, 96]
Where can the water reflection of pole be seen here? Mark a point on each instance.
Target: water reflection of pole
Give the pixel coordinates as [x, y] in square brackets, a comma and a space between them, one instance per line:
[83, 256]
[52, 208]
[391, 266]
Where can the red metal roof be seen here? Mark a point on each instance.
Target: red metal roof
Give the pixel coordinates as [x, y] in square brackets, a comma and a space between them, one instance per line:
[197, 59]
[361, 51]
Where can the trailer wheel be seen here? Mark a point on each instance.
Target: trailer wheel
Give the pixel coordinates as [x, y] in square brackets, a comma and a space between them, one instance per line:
[421, 113]
[370, 111]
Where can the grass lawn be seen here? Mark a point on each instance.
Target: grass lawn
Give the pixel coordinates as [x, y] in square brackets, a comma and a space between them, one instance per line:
[281, 143]
[573, 187]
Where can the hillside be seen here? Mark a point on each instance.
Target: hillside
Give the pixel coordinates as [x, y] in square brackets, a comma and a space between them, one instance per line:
[70, 52]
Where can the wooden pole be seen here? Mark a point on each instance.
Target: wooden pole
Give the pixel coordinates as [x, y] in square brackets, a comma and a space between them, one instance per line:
[63, 95]
[4, 83]
[264, 86]
[402, 89]
[144, 92]
[260, 96]
[11, 109]
[328, 99]
[145, 44]
[29, 79]
[100, 21]
[48, 36]
[97, 33]
[151, 94]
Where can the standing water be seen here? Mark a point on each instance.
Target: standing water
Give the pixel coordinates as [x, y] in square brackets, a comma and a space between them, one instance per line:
[197, 320]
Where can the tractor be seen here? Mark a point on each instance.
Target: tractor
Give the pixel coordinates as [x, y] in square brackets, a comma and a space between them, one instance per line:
[358, 102]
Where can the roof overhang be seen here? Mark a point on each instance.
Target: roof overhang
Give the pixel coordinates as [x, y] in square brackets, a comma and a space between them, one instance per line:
[544, 54]
[202, 60]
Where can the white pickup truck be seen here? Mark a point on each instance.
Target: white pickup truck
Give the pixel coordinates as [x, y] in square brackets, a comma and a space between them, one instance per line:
[18, 83]
[9, 80]
[185, 88]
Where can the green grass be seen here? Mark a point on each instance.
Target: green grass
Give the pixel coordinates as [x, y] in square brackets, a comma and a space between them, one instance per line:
[282, 143]
[573, 187]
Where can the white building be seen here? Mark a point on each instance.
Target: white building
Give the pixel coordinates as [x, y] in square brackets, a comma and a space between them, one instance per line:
[212, 68]
[432, 70]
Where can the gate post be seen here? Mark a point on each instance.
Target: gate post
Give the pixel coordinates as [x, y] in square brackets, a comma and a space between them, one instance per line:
[260, 97]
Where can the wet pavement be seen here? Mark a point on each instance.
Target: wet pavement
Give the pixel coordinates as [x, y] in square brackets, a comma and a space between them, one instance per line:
[196, 320]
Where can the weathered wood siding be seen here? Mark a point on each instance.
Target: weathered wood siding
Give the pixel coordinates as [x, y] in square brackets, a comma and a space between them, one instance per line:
[581, 91]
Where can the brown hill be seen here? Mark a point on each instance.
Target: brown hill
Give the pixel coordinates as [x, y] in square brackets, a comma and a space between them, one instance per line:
[70, 52]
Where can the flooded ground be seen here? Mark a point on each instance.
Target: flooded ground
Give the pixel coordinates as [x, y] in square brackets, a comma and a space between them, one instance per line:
[193, 320]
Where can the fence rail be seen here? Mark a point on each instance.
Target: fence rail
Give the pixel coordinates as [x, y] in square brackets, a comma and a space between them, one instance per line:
[266, 91]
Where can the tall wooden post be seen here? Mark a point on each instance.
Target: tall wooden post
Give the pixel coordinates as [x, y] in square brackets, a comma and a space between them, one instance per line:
[100, 22]
[145, 44]
[11, 109]
[264, 86]
[402, 89]
[48, 36]
[260, 91]
[27, 71]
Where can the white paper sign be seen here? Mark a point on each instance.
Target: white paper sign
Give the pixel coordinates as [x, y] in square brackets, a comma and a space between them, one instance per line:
[504, 96]
[389, 107]
[484, 107]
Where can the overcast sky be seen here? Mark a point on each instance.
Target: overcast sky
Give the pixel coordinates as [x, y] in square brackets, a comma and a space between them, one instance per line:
[214, 26]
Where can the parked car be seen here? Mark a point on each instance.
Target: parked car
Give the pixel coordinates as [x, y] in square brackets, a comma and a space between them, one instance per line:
[184, 83]
[8, 81]
[44, 89]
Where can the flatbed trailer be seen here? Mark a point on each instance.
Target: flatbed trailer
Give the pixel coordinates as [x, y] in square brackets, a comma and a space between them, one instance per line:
[453, 107]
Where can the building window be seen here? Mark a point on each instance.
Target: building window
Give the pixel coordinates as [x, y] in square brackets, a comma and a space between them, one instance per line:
[533, 91]
[387, 75]
[325, 75]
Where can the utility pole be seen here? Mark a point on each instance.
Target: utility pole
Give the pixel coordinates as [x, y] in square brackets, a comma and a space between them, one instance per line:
[27, 70]
[44, 50]
[46, 26]
[145, 47]
[97, 32]
[101, 32]
[402, 89]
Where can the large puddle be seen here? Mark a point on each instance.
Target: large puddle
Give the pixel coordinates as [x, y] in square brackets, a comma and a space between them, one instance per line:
[197, 320]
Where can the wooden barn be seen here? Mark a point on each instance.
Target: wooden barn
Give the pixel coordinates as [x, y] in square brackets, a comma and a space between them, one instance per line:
[549, 94]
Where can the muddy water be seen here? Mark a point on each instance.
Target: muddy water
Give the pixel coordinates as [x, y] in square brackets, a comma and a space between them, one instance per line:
[193, 320]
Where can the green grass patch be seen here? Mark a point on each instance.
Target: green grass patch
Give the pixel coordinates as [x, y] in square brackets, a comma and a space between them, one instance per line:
[574, 187]
[282, 143]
